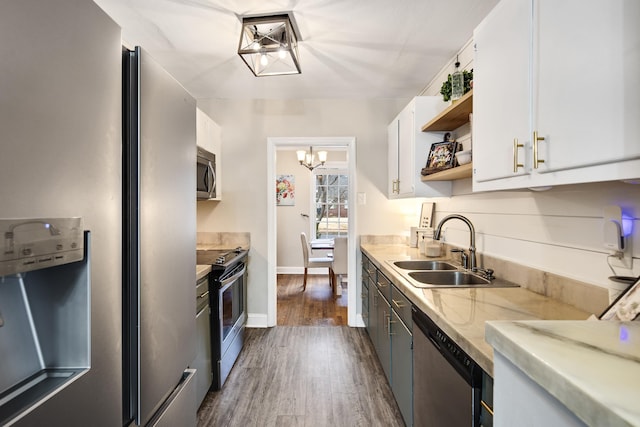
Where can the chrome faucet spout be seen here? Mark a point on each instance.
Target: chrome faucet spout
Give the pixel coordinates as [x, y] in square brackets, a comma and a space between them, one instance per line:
[472, 236]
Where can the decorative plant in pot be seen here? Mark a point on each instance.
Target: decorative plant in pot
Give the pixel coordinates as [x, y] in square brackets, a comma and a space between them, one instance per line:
[445, 90]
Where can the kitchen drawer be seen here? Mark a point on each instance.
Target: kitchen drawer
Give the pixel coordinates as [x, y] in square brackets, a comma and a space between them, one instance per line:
[365, 300]
[368, 267]
[384, 285]
[402, 306]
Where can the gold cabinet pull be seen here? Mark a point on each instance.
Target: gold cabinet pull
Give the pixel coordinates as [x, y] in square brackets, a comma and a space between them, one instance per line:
[516, 165]
[398, 303]
[536, 139]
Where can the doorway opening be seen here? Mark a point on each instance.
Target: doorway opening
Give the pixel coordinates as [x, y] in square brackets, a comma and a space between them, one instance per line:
[274, 145]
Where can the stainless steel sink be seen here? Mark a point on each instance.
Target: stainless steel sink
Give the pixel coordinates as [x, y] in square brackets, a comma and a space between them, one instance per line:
[424, 265]
[447, 278]
[423, 273]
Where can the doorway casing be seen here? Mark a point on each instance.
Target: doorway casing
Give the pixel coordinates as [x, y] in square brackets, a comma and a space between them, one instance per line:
[273, 143]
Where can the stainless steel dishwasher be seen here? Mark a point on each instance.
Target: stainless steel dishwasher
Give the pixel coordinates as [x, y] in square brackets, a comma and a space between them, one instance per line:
[446, 381]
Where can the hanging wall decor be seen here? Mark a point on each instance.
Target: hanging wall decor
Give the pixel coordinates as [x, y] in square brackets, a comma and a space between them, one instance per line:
[285, 190]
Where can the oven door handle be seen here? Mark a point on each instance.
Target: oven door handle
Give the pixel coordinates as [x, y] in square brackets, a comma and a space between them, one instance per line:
[229, 280]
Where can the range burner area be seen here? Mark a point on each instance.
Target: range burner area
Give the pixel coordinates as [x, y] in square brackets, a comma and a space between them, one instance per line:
[220, 257]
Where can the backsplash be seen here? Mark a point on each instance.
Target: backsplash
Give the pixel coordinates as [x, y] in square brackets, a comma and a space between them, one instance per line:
[222, 240]
[587, 297]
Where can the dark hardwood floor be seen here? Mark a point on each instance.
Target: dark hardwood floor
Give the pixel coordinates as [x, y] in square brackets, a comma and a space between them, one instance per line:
[311, 376]
[315, 306]
[304, 372]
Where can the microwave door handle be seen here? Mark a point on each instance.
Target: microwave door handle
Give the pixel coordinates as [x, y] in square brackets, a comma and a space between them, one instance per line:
[213, 177]
[206, 176]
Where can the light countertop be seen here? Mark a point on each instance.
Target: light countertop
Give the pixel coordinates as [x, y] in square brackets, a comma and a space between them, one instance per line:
[462, 313]
[202, 270]
[592, 367]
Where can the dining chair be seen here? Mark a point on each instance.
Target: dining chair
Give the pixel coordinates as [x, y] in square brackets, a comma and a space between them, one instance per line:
[340, 259]
[313, 262]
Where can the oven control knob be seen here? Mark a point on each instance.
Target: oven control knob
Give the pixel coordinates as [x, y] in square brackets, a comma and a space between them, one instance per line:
[220, 260]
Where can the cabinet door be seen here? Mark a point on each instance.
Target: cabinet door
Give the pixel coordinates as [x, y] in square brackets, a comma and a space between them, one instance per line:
[402, 367]
[406, 153]
[364, 300]
[383, 347]
[372, 326]
[392, 141]
[501, 97]
[587, 85]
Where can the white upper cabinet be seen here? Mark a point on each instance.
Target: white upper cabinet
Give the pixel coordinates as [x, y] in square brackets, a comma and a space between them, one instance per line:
[409, 148]
[209, 137]
[501, 92]
[568, 72]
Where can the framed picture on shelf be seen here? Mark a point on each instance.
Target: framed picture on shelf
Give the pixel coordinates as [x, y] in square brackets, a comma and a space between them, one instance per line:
[441, 156]
[626, 307]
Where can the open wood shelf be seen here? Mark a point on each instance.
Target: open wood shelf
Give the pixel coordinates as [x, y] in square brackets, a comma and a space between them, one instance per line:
[459, 172]
[453, 117]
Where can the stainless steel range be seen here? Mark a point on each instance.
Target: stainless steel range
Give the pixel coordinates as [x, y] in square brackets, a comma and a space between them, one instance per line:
[227, 296]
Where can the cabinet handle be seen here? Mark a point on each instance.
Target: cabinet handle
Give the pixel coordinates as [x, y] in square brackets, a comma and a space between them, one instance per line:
[397, 303]
[382, 285]
[389, 322]
[536, 160]
[516, 165]
[486, 407]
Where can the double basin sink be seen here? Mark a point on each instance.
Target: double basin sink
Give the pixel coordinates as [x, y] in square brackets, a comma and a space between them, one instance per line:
[442, 274]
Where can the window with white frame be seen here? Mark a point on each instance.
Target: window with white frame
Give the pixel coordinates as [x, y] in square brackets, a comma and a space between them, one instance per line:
[331, 203]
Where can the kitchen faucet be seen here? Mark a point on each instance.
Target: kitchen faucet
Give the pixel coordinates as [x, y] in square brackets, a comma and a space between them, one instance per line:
[472, 237]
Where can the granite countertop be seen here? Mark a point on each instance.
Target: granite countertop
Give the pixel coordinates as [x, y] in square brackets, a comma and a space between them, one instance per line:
[592, 367]
[462, 313]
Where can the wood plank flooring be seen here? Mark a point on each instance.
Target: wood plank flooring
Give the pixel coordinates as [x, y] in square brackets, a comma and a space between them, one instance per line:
[309, 371]
[315, 306]
[311, 376]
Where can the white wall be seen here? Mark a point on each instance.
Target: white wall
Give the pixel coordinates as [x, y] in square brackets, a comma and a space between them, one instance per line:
[246, 124]
[290, 221]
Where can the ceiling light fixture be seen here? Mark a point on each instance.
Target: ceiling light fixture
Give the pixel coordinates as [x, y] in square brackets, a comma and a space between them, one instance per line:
[307, 159]
[269, 45]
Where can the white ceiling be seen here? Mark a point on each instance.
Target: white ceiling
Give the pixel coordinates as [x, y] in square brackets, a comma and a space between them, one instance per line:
[348, 49]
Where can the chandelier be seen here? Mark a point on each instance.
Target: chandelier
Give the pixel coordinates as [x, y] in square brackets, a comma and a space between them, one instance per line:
[269, 45]
[307, 159]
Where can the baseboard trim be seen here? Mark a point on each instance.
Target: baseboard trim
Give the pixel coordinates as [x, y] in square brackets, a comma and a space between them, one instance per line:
[257, 321]
[300, 270]
[359, 321]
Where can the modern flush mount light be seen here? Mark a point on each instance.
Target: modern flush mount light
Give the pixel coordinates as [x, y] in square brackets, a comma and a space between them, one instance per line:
[307, 159]
[269, 45]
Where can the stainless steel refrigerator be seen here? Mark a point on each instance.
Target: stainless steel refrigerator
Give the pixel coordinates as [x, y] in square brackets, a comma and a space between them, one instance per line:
[62, 152]
[159, 244]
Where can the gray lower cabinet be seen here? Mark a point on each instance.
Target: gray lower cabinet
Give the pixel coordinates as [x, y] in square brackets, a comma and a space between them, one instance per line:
[372, 328]
[383, 347]
[390, 326]
[402, 367]
[364, 296]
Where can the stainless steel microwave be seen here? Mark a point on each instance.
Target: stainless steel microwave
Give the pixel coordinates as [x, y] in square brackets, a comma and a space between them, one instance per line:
[206, 175]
